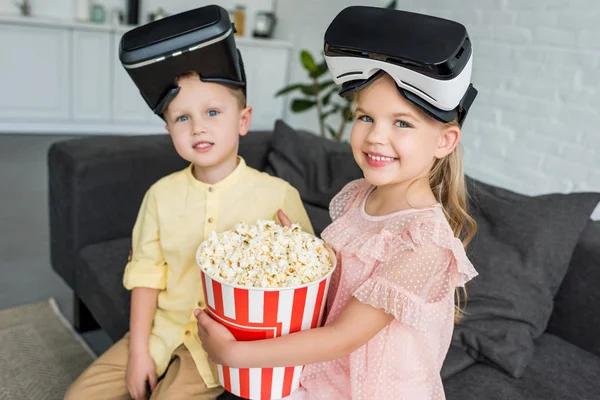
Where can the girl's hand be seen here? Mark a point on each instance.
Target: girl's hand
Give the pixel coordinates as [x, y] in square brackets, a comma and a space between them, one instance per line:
[217, 341]
[285, 221]
[140, 369]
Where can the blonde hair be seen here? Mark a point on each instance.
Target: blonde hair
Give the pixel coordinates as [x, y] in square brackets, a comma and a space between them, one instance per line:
[447, 181]
[238, 93]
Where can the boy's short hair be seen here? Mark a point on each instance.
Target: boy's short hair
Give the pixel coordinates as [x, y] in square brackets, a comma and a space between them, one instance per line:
[237, 92]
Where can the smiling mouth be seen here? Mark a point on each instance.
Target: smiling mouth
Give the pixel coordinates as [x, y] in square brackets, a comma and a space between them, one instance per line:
[380, 158]
[202, 145]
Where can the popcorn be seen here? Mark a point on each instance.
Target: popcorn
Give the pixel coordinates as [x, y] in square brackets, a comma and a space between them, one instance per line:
[265, 255]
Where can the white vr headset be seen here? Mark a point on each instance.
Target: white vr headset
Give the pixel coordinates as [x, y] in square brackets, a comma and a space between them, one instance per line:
[429, 58]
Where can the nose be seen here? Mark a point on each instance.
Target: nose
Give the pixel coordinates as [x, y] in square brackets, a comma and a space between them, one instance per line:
[198, 128]
[376, 135]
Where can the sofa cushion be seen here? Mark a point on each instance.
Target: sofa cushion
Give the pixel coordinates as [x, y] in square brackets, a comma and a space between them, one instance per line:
[318, 167]
[521, 251]
[254, 148]
[558, 370]
[576, 315]
[319, 217]
[456, 360]
[100, 285]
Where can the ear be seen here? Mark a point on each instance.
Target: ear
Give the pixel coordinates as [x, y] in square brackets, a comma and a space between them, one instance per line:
[448, 141]
[167, 128]
[245, 118]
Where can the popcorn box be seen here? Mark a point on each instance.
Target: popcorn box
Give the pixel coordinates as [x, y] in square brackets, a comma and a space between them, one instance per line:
[253, 313]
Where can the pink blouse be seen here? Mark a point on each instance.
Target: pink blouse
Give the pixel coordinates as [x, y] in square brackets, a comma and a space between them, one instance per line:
[407, 263]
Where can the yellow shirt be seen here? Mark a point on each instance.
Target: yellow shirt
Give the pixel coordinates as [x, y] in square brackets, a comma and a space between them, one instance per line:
[177, 214]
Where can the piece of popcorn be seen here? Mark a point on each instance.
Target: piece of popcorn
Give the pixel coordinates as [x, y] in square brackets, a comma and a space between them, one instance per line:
[264, 255]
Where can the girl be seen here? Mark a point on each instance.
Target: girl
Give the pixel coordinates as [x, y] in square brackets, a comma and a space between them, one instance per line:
[395, 233]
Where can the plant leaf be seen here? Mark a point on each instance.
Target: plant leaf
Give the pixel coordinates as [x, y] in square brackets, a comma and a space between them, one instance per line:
[326, 84]
[308, 90]
[332, 132]
[337, 107]
[327, 114]
[289, 89]
[327, 97]
[321, 69]
[308, 62]
[392, 4]
[299, 105]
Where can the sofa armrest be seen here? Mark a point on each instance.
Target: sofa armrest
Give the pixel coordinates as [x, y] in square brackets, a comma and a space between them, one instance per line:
[96, 185]
[575, 317]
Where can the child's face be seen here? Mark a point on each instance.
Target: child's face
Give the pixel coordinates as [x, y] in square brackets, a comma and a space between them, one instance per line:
[205, 122]
[393, 141]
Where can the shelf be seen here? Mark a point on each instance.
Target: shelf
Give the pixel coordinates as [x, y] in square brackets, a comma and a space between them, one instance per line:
[58, 23]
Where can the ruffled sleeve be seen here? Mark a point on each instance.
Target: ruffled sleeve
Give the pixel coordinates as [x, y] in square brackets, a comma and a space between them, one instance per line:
[343, 200]
[461, 269]
[424, 271]
[436, 231]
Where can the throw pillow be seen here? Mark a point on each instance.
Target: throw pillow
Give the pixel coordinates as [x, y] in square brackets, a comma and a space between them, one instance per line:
[522, 252]
[318, 167]
[575, 316]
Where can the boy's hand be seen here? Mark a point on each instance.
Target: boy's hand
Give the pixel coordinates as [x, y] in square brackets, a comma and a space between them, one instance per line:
[285, 221]
[216, 340]
[140, 371]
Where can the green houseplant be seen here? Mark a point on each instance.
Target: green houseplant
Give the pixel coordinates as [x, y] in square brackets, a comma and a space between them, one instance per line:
[321, 93]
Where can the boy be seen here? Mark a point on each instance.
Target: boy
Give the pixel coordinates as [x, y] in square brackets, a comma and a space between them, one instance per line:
[217, 191]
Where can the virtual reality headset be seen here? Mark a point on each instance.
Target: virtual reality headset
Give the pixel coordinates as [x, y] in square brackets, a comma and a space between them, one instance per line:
[200, 40]
[429, 58]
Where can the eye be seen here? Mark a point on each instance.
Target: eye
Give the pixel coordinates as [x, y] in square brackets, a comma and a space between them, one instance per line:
[402, 124]
[365, 118]
[182, 118]
[212, 113]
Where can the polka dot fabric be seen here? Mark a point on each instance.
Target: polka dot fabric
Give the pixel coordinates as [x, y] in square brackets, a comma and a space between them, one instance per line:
[407, 263]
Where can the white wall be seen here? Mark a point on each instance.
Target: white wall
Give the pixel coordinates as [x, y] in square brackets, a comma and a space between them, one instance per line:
[534, 126]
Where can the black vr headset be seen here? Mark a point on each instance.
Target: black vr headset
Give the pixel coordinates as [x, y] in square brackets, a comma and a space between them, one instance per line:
[429, 58]
[200, 40]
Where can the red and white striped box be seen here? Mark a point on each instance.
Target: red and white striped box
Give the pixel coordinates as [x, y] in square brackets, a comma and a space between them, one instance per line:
[262, 313]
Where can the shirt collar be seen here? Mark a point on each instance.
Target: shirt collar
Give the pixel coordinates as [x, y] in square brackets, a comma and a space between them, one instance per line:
[224, 184]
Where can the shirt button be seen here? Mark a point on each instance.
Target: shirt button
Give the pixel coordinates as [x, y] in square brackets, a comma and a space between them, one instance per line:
[210, 220]
[187, 333]
[200, 303]
[210, 189]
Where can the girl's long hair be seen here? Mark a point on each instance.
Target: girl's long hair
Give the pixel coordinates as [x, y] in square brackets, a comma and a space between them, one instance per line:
[447, 181]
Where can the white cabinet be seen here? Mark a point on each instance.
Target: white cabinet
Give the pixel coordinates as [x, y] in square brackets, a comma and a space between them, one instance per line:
[127, 102]
[91, 75]
[34, 73]
[62, 77]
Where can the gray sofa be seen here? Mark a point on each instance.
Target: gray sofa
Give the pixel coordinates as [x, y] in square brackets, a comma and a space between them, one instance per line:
[532, 328]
